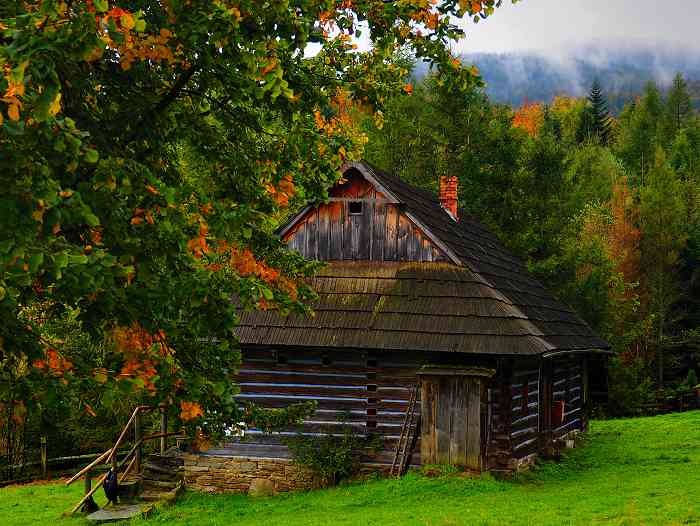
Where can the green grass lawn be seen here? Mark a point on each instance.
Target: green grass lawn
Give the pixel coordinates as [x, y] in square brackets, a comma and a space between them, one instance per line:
[636, 471]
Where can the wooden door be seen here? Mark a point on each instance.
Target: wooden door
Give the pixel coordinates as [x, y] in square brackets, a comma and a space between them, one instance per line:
[451, 420]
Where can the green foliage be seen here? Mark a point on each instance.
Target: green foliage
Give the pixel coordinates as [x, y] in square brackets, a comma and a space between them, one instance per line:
[148, 152]
[596, 122]
[335, 454]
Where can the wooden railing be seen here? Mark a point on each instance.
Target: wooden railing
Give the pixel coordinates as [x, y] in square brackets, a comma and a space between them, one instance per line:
[131, 460]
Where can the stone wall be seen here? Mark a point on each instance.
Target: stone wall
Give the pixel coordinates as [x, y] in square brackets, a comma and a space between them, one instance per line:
[262, 476]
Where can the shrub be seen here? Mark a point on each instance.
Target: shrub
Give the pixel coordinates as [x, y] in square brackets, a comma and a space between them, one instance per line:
[334, 455]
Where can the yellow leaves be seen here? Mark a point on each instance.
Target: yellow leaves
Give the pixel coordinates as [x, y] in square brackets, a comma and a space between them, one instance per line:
[190, 411]
[136, 220]
[65, 193]
[13, 112]
[55, 106]
[101, 375]
[56, 229]
[127, 21]
[38, 214]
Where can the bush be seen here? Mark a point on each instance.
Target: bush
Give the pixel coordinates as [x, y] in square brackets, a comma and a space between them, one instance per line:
[332, 456]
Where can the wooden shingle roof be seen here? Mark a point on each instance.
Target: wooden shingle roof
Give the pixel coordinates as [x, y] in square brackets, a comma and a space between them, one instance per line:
[485, 302]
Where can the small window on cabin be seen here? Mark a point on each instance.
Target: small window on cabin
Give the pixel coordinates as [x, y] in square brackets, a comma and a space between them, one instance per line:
[371, 362]
[355, 208]
[372, 388]
[371, 423]
[281, 358]
[325, 360]
[372, 376]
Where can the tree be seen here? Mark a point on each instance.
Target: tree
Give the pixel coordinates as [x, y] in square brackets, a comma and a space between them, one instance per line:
[664, 233]
[602, 123]
[147, 152]
[638, 135]
[678, 106]
[595, 119]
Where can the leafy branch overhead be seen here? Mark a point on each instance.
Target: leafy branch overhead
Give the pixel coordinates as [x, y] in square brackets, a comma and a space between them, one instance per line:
[148, 150]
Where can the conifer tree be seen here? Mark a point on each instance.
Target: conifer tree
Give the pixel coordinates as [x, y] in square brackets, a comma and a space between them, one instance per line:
[678, 105]
[601, 124]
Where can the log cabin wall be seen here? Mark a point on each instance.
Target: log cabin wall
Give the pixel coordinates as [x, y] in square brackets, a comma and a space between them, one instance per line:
[567, 388]
[368, 391]
[525, 408]
[359, 223]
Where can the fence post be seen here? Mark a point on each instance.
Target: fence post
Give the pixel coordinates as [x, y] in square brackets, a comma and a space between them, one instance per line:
[44, 458]
[137, 437]
[88, 482]
[163, 429]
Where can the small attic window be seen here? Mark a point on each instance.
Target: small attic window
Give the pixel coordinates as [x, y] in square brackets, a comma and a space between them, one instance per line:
[355, 208]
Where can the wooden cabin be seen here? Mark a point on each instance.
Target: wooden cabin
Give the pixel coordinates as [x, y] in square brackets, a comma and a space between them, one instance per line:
[417, 299]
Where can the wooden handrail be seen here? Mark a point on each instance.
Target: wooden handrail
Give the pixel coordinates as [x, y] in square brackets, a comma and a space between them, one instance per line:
[126, 430]
[109, 456]
[128, 468]
[90, 494]
[88, 467]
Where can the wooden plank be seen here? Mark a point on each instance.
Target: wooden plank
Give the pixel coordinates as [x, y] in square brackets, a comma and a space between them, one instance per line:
[312, 235]
[301, 239]
[324, 233]
[347, 234]
[443, 425]
[474, 424]
[380, 232]
[402, 240]
[364, 232]
[458, 393]
[335, 251]
[428, 421]
[391, 237]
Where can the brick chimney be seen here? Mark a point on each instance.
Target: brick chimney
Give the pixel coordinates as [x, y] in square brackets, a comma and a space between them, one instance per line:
[448, 195]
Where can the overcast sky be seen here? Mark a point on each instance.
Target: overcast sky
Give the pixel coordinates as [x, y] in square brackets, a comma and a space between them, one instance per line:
[558, 25]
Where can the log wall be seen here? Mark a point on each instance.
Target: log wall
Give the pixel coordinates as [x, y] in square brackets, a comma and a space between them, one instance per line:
[567, 387]
[525, 409]
[368, 392]
[381, 231]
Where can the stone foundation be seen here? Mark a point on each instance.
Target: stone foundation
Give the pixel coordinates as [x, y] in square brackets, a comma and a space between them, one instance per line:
[237, 475]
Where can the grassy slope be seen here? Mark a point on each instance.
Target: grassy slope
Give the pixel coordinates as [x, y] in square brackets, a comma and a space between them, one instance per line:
[638, 471]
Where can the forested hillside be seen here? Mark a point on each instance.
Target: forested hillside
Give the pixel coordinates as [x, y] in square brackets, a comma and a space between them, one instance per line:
[604, 210]
[514, 78]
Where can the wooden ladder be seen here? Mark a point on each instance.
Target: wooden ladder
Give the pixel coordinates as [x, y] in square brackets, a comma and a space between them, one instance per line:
[407, 439]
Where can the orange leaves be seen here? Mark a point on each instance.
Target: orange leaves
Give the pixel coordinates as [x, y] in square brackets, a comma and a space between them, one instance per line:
[152, 190]
[408, 88]
[143, 353]
[529, 117]
[283, 192]
[190, 411]
[624, 235]
[141, 214]
[198, 245]
[15, 89]
[53, 363]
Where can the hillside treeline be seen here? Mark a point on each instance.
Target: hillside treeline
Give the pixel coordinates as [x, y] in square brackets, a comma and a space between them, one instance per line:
[603, 210]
